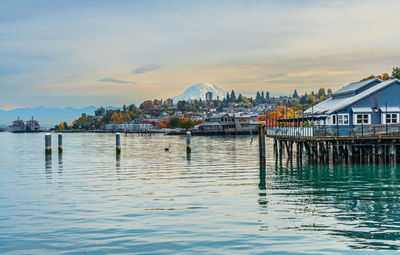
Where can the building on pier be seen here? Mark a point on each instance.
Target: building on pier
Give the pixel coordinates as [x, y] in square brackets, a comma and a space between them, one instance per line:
[370, 102]
[358, 124]
[230, 122]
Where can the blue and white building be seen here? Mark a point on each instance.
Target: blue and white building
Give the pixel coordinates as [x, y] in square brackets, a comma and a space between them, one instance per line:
[371, 102]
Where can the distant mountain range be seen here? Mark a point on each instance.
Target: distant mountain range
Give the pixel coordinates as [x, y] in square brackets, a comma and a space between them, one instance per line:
[47, 117]
[199, 90]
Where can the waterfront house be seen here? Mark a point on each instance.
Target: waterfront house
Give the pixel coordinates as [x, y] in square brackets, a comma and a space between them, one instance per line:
[370, 102]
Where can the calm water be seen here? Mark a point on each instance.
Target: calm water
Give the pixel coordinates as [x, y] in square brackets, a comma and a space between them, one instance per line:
[217, 201]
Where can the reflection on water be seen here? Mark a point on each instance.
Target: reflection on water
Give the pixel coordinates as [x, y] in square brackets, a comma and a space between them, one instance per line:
[214, 200]
[363, 199]
[118, 160]
[60, 163]
[48, 166]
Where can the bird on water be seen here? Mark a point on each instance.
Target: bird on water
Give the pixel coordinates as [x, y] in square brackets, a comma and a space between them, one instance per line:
[167, 149]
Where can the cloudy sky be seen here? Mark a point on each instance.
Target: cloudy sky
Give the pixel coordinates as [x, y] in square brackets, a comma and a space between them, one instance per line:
[78, 53]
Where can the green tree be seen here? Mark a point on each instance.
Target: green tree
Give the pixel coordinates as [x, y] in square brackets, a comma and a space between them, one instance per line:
[174, 122]
[233, 96]
[395, 73]
[295, 95]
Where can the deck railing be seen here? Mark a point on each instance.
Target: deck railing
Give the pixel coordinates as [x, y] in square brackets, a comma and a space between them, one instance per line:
[336, 131]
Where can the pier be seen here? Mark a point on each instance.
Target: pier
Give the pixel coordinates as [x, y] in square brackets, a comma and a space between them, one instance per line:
[369, 144]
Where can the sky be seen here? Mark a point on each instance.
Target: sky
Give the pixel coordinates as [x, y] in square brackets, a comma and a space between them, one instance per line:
[76, 53]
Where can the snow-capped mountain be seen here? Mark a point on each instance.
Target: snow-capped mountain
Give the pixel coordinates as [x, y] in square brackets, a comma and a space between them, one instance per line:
[198, 91]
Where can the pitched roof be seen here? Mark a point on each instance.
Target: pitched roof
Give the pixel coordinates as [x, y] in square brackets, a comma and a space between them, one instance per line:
[353, 87]
[331, 105]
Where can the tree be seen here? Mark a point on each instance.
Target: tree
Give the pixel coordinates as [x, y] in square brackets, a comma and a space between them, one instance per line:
[233, 96]
[228, 99]
[99, 112]
[124, 108]
[368, 78]
[61, 126]
[132, 107]
[329, 92]
[311, 98]
[267, 97]
[295, 95]
[174, 122]
[240, 99]
[321, 93]
[395, 73]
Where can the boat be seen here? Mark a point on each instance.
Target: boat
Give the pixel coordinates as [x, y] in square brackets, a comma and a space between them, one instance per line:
[17, 126]
[32, 126]
[20, 126]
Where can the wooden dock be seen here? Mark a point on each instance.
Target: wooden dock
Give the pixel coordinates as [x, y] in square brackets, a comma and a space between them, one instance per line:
[324, 147]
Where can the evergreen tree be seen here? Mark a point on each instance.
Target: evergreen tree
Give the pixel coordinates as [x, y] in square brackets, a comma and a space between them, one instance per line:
[395, 73]
[99, 112]
[295, 95]
[303, 99]
[267, 97]
[239, 99]
[228, 99]
[233, 96]
[258, 96]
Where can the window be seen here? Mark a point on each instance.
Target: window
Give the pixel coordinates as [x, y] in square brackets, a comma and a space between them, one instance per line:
[343, 119]
[391, 118]
[334, 119]
[362, 119]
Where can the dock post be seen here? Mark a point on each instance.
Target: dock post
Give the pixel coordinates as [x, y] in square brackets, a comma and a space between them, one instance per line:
[315, 152]
[188, 142]
[392, 154]
[327, 152]
[60, 142]
[261, 144]
[47, 143]
[380, 156]
[308, 151]
[373, 154]
[117, 143]
[350, 153]
[298, 151]
[280, 149]
[275, 148]
[291, 151]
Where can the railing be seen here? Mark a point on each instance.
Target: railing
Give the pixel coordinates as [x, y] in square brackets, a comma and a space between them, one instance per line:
[336, 131]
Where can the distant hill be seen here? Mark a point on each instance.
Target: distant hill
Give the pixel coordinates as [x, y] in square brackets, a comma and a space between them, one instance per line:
[47, 117]
[198, 91]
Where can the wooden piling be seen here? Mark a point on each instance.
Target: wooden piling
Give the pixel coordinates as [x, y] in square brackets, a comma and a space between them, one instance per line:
[392, 154]
[117, 143]
[60, 143]
[350, 153]
[261, 144]
[47, 143]
[188, 142]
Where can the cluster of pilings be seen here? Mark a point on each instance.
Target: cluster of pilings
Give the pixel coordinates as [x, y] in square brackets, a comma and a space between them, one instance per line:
[373, 150]
[47, 143]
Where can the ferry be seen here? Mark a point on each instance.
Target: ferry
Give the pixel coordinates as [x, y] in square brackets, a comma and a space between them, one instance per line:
[19, 126]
